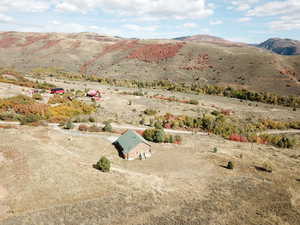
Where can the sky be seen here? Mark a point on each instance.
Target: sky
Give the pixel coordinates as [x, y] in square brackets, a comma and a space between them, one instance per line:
[250, 21]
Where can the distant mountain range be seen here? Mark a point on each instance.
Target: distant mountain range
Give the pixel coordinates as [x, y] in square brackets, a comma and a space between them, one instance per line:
[281, 46]
[207, 38]
[277, 45]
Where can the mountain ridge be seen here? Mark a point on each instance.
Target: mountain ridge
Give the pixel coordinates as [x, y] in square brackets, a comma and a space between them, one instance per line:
[200, 62]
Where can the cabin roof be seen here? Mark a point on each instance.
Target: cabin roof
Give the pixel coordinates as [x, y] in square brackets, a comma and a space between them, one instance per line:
[129, 140]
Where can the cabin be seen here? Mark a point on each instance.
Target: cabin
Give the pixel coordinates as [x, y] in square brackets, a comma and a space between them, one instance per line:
[132, 146]
[57, 91]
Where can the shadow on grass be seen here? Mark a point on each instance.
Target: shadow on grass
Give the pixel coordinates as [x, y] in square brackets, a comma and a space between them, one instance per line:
[259, 168]
[225, 167]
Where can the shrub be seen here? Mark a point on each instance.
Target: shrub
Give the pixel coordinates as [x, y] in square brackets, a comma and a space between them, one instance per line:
[215, 150]
[178, 139]
[83, 127]
[68, 125]
[37, 96]
[280, 141]
[92, 119]
[158, 125]
[149, 134]
[215, 113]
[70, 109]
[142, 121]
[28, 119]
[230, 165]
[159, 136]
[171, 139]
[155, 135]
[103, 164]
[266, 166]
[8, 116]
[55, 99]
[150, 112]
[107, 127]
[194, 102]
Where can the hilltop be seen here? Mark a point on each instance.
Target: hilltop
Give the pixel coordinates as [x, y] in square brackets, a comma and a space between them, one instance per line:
[205, 61]
[281, 46]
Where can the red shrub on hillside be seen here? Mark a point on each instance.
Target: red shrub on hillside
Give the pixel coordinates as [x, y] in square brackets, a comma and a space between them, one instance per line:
[50, 44]
[155, 52]
[32, 39]
[121, 45]
[7, 42]
[239, 138]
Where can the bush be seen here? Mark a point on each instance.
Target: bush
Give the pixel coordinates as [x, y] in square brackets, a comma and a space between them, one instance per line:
[193, 102]
[150, 112]
[230, 165]
[83, 127]
[107, 127]
[37, 96]
[149, 134]
[155, 135]
[159, 136]
[8, 116]
[266, 166]
[178, 139]
[28, 119]
[92, 119]
[68, 125]
[103, 164]
[158, 125]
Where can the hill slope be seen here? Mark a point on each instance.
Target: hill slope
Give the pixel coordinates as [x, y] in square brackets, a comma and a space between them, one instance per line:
[282, 46]
[183, 61]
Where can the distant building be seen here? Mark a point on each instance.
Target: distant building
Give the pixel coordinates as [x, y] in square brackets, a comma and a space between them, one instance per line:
[57, 91]
[133, 146]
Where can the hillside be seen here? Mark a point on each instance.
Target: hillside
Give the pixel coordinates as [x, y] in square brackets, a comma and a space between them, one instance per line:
[205, 38]
[282, 46]
[202, 62]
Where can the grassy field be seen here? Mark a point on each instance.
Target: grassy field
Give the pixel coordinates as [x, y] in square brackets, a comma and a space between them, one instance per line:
[47, 174]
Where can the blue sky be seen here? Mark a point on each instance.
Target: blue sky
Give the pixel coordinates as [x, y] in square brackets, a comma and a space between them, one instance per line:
[249, 21]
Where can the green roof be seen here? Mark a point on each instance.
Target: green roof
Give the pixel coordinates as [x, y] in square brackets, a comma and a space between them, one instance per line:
[129, 140]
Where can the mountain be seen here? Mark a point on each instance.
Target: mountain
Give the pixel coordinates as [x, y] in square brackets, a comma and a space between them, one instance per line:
[203, 38]
[202, 62]
[282, 46]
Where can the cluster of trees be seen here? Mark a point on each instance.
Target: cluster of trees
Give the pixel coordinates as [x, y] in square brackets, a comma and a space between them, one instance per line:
[280, 141]
[264, 97]
[28, 110]
[159, 136]
[20, 80]
[226, 127]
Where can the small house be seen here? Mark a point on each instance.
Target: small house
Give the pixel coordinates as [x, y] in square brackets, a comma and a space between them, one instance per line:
[132, 146]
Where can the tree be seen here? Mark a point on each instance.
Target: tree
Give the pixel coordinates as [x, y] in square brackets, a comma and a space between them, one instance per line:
[230, 165]
[149, 134]
[159, 136]
[69, 125]
[107, 127]
[158, 125]
[154, 135]
[103, 164]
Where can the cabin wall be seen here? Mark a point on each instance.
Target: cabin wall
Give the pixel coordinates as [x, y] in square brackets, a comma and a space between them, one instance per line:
[139, 149]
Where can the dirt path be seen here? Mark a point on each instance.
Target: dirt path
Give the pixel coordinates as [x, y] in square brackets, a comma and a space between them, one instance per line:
[116, 126]
[291, 131]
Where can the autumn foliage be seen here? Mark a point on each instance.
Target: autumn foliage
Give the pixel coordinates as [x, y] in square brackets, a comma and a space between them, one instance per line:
[155, 52]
